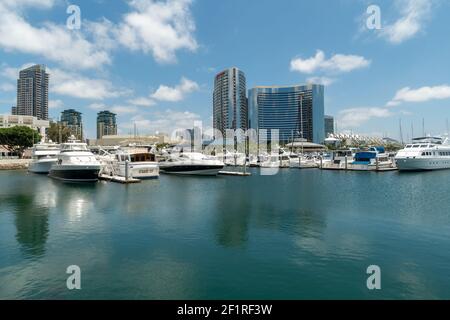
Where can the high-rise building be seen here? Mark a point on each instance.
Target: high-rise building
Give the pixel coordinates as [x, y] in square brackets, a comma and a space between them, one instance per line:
[230, 109]
[329, 125]
[32, 92]
[106, 124]
[14, 110]
[72, 119]
[297, 112]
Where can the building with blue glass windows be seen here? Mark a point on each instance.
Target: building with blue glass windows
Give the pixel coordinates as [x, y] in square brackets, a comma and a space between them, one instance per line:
[230, 100]
[297, 112]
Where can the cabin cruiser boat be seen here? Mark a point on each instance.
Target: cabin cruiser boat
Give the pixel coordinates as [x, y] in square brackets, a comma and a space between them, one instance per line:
[427, 153]
[298, 161]
[337, 159]
[276, 161]
[75, 164]
[141, 165]
[44, 155]
[191, 163]
[373, 157]
[234, 159]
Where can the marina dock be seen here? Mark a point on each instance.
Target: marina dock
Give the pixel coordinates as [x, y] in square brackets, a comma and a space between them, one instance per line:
[118, 179]
[358, 168]
[235, 173]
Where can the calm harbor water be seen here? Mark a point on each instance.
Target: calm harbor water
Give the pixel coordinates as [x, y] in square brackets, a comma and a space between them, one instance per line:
[296, 235]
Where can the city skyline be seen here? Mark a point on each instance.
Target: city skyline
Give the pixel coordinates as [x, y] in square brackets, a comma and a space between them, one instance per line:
[373, 78]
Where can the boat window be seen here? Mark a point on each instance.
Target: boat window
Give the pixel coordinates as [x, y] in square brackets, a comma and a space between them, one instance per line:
[409, 146]
[74, 147]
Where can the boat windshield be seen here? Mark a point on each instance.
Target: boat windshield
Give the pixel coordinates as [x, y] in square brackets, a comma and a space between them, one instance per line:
[74, 147]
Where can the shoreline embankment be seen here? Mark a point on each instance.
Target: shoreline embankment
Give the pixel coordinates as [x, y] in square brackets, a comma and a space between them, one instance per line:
[14, 164]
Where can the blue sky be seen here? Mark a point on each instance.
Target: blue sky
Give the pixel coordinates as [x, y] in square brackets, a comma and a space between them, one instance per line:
[153, 62]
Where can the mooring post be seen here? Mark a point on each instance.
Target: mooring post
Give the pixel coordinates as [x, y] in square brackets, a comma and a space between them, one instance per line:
[127, 170]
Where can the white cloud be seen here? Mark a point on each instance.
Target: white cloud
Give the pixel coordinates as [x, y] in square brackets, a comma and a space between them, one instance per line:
[414, 14]
[118, 109]
[51, 41]
[355, 117]
[142, 102]
[81, 87]
[44, 4]
[320, 80]
[55, 104]
[422, 94]
[337, 63]
[177, 93]
[7, 87]
[72, 84]
[11, 73]
[159, 28]
[167, 121]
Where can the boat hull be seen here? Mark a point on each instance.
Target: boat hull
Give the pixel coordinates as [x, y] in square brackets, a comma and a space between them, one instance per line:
[42, 166]
[211, 170]
[422, 164]
[141, 171]
[75, 173]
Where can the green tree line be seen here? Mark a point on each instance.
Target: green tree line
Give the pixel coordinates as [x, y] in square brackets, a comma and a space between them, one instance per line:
[17, 139]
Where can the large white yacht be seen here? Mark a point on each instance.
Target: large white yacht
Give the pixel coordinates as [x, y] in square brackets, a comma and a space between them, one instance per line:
[75, 163]
[141, 165]
[44, 155]
[191, 163]
[429, 153]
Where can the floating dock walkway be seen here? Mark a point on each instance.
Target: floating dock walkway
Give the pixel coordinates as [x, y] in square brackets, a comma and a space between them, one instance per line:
[118, 179]
[235, 173]
[358, 168]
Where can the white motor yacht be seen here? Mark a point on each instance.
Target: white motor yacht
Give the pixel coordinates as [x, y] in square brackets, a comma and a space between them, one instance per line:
[75, 164]
[428, 153]
[140, 165]
[235, 159]
[44, 155]
[276, 161]
[191, 163]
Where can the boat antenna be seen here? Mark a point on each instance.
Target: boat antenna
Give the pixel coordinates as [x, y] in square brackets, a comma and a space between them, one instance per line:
[423, 126]
[401, 131]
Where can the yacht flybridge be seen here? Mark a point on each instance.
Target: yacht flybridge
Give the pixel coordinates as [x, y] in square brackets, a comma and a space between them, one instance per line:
[427, 153]
[75, 163]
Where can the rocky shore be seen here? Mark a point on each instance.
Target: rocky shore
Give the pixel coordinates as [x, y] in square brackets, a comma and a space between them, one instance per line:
[14, 164]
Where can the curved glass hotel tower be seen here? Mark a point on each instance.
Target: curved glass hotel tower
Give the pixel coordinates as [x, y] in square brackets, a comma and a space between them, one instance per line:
[296, 111]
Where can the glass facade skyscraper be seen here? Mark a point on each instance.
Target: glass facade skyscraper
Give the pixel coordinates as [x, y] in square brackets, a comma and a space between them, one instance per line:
[32, 92]
[73, 120]
[296, 111]
[106, 124]
[329, 126]
[230, 109]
